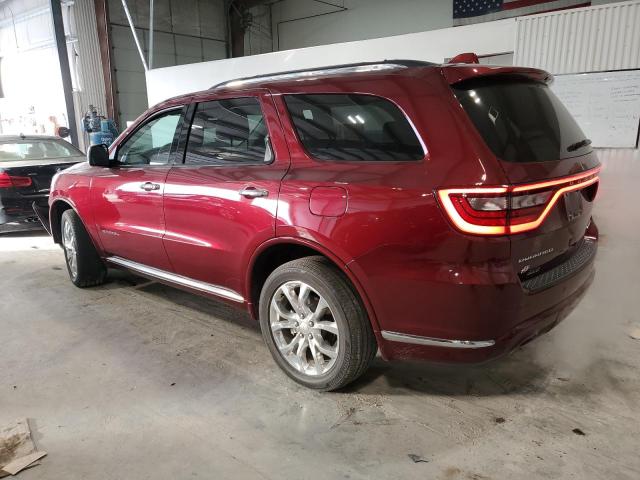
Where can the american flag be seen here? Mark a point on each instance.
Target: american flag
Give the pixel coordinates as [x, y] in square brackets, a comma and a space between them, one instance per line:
[474, 11]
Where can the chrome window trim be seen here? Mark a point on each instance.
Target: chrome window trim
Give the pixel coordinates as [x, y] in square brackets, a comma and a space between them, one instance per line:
[177, 279]
[435, 342]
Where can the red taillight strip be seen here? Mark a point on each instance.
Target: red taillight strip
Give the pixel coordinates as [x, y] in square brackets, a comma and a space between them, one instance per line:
[572, 183]
[524, 227]
[461, 223]
[8, 181]
[5, 180]
[559, 181]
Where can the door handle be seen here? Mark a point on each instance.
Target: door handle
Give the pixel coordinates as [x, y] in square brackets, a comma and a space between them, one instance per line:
[253, 192]
[149, 186]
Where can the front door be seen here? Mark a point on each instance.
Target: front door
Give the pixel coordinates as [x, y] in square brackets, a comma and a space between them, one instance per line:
[127, 198]
[220, 204]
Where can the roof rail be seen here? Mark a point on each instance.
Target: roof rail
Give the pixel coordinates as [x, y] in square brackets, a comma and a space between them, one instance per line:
[326, 70]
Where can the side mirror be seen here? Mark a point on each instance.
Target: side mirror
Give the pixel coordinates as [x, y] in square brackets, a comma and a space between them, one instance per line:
[98, 156]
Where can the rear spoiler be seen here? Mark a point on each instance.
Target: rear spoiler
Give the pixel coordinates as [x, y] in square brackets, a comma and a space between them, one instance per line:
[467, 65]
[461, 72]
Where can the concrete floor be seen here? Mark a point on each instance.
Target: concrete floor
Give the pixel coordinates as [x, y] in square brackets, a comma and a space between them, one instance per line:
[139, 381]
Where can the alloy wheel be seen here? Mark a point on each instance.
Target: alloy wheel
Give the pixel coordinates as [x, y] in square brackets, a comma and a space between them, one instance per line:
[70, 248]
[304, 328]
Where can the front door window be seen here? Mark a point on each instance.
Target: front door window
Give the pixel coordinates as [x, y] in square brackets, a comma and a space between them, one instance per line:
[151, 143]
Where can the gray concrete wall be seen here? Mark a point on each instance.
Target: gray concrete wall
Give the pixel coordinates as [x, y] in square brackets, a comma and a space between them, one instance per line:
[185, 31]
[364, 19]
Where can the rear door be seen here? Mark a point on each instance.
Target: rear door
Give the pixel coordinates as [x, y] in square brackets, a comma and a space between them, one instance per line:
[220, 204]
[535, 140]
[127, 198]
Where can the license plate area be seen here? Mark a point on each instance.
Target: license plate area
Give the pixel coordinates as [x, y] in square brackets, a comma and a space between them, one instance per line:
[573, 205]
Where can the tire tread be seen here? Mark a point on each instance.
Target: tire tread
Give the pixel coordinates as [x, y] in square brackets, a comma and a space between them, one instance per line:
[91, 268]
[363, 343]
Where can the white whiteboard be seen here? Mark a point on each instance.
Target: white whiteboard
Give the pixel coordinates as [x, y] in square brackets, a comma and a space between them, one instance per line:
[606, 105]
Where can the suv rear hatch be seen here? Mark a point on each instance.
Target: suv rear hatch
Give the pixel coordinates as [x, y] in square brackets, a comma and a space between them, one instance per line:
[548, 163]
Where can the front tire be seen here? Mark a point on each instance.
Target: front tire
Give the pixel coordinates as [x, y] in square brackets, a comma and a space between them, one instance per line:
[314, 324]
[84, 265]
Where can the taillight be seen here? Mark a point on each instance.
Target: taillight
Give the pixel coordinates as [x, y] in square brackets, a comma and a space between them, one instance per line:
[8, 181]
[509, 209]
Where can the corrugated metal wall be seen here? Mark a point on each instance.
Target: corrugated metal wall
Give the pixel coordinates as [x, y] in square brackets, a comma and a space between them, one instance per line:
[85, 62]
[589, 39]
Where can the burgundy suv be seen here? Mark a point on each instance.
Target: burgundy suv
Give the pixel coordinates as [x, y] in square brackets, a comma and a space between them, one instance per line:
[429, 211]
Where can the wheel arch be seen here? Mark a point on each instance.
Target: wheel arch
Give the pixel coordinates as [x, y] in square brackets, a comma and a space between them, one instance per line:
[58, 207]
[275, 252]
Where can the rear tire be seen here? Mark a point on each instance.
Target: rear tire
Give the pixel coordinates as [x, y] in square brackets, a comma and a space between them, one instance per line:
[314, 324]
[84, 265]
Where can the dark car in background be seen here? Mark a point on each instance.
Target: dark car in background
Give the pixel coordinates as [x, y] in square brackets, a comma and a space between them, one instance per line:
[27, 165]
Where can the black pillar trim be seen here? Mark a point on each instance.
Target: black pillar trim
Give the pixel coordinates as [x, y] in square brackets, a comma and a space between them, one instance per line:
[65, 72]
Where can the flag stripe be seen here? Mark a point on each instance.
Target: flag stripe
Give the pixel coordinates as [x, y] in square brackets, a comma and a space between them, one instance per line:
[579, 5]
[522, 3]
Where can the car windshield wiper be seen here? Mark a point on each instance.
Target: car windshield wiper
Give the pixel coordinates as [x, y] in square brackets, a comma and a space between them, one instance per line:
[575, 146]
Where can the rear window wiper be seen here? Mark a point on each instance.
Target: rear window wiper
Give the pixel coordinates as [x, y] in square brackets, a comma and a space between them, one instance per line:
[575, 146]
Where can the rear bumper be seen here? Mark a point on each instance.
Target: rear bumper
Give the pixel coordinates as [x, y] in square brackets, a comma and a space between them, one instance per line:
[479, 351]
[19, 210]
[467, 321]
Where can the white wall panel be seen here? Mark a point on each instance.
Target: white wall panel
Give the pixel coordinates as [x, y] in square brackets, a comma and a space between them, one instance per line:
[434, 45]
[605, 37]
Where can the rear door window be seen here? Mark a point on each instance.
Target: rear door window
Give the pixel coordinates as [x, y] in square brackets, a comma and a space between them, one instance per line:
[353, 128]
[521, 120]
[228, 132]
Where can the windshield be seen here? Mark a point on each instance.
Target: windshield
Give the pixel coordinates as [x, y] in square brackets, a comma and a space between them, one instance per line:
[36, 150]
[521, 120]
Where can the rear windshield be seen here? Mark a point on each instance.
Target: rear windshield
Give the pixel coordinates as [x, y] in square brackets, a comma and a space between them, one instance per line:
[353, 128]
[521, 120]
[36, 150]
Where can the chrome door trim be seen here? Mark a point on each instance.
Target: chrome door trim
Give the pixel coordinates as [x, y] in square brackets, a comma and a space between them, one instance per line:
[177, 279]
[435, 342]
